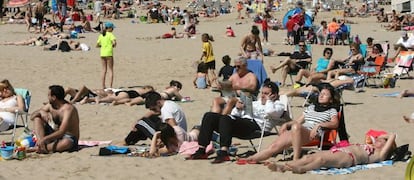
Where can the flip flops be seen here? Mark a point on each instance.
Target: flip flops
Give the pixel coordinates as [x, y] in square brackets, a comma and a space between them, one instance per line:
[245, 161]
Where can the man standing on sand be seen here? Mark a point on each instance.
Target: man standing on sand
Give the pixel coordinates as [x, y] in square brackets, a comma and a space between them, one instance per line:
[66, 119]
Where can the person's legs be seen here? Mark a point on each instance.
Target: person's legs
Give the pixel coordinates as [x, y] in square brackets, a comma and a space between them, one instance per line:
[134, 101]
[104, 61]
[111, 70]
[83, 91]
[302, 73]
[229, 105]
[285, 71]
[218, 102]
[300, 136]
[277, 146]
[282, 64]
[209, 123]
[316, 77]
[321, 159]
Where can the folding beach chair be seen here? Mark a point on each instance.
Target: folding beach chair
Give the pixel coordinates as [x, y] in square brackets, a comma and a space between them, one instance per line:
[24, 115]
[373, 71]
[287, 116]
[404, 63]
[329, 137]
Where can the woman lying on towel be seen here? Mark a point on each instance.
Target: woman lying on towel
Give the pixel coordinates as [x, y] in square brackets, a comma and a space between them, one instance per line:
[168, 140]
[308, 126]
[341, 157]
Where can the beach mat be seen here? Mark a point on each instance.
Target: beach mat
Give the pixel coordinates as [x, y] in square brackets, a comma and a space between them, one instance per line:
[350, 170]
[393, 94]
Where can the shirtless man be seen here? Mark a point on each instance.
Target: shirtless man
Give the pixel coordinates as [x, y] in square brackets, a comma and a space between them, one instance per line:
[243, 82]
[63, 115]
[249, 42]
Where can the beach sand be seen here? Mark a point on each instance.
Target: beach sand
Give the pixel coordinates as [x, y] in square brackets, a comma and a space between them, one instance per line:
[156, 62]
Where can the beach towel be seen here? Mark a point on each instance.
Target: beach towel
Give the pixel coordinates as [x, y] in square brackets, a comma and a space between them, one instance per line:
[109, 150]
[350, 170]
[392, 94]
[93, 143]
[188, 148]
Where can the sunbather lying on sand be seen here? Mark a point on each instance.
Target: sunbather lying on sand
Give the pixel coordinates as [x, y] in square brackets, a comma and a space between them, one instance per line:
[341, 157]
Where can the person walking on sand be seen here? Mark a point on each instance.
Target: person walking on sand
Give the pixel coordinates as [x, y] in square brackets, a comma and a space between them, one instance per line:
[61, 113]
[107, 42]
[207, 57]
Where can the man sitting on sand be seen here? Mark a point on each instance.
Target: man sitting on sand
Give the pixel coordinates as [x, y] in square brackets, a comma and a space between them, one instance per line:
[170, 113]
[64, 116]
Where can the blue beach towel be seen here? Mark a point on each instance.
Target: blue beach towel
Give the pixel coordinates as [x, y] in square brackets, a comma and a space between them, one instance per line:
[349, 170]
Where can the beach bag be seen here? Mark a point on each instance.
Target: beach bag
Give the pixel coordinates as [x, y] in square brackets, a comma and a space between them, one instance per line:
[400, 153]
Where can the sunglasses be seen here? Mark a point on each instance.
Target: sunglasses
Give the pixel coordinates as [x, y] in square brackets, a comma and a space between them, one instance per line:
[328, 52]
[238, 66]
[301, 45]
[353, 49]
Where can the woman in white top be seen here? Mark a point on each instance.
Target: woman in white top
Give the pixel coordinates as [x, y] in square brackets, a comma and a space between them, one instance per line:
[9, 103]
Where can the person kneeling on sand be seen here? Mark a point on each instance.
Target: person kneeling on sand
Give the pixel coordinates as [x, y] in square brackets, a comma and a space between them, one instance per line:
[169, 112]
[63, 115]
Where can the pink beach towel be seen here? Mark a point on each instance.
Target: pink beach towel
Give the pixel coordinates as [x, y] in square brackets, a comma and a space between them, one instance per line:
[188, 148]
[93, 143]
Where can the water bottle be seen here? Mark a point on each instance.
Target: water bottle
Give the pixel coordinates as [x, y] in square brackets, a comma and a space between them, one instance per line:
[357, 39]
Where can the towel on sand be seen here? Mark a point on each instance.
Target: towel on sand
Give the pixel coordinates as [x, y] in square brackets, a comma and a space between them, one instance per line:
[349, 170]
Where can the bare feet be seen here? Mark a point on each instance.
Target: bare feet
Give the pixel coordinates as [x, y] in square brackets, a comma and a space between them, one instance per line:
[277, 167]
[402, 94]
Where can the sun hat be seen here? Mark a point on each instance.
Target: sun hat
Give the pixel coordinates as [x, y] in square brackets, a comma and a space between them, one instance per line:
[109, 25]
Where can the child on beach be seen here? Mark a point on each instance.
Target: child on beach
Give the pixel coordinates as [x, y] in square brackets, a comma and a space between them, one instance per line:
[208, 58]
[201, 80]
[229, 32]
[227, 70]
[107, 42]
[265, 27]
[168, 139]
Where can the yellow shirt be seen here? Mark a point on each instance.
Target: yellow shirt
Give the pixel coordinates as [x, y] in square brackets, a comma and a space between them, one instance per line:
[208, 50]
[106, 43]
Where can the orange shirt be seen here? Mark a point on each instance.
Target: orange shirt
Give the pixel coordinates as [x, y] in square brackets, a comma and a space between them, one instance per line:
[333, 27]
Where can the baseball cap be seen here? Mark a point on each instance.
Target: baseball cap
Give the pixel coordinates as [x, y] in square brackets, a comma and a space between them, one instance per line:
[109, 25]
[404, 33]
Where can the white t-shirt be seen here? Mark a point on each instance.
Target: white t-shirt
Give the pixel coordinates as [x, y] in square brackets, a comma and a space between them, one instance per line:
[172, 110]
[408, 43]
[84, 47]
[272, 110]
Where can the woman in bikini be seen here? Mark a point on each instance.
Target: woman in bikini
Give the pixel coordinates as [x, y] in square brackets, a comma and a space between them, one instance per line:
[249, 42]
[129, 97]
[341, 157]
[351, 63]
[172, 92]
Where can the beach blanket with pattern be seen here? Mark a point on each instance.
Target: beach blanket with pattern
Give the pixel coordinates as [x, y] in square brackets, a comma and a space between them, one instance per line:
[350, 170]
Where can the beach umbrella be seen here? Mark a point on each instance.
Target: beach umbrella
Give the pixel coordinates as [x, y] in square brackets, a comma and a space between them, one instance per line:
[308, 19]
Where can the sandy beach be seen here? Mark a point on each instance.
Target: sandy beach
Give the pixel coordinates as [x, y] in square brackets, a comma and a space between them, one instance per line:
[155, 62]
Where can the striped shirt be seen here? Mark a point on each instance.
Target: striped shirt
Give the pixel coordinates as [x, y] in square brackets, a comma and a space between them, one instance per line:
[312, 118]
